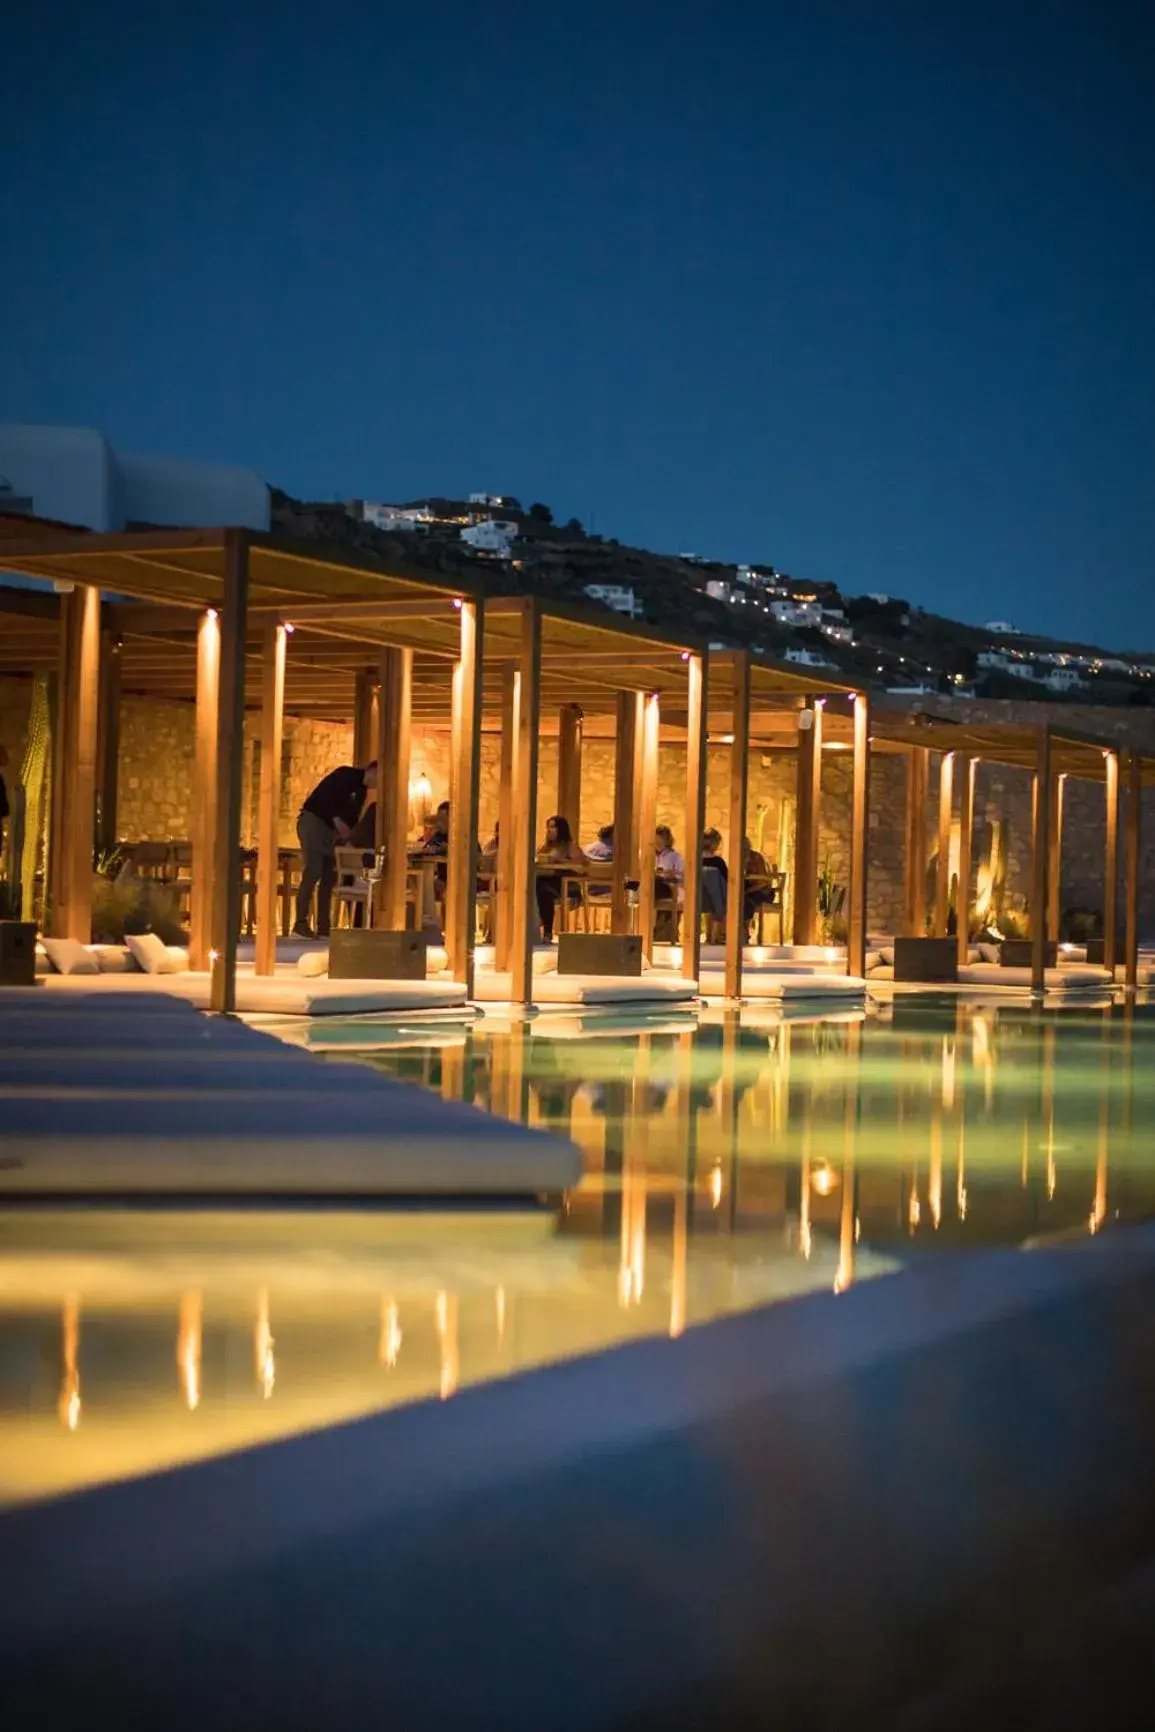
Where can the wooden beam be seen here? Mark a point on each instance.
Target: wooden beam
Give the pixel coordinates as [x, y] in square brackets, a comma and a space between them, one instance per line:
[63, 710]
[79, 700]
[506, 821]
[1111, 862]
[461, 893]
[1055, 864]
[942, 869]
[625, 794]
[226, 898]
[806, 809]
[697, 709]
[392, 751]
[1040, 861]
[966, 848]
[525, 924]
[857, 910]
[1134, 857]
[269, 809]
[736, 841]
[569, 767]
[201, 828]
[917, 781]
[648, 821]
[364, 733]
[108, 742]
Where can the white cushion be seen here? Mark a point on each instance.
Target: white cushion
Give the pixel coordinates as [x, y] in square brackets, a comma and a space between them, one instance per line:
[989, 953]
[43, 966]
[178, 956]
[313, 964]
[151, 954]
[886, 955]
[68, 956]
[873, 958]
[113, 958]
[545, 961]
[436, 959]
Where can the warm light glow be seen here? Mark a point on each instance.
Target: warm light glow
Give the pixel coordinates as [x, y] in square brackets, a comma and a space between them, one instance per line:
[499, 1311]
[263, 1345]
[914, 1212]
[214, 955]
[391, 1337]
[420, 790]
[726, 739]
[445, 1311]
[289, 626]
[210, 613]
[68, 1405]
[824, 1179]
[685, 655]
[457, 601]
[188, 1349]
[715, 1184]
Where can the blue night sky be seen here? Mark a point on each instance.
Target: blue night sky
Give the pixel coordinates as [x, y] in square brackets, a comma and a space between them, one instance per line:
[865, 290]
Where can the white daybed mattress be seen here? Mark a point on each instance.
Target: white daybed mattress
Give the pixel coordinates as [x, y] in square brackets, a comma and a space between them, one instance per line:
[1072, 977]
[652, 987]
[778, 985]
[286, 993]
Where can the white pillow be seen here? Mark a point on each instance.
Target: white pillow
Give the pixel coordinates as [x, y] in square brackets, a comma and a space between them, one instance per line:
[68, 956]
[989, 953]
[178, 956]
[313, 964]
[150, 953]
[545, 961]
[873, 958]
[437, 959]
[886, 955]
[113, 959]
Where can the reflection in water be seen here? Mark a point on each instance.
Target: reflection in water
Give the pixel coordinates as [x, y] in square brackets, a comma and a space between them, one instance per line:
[729, 1161]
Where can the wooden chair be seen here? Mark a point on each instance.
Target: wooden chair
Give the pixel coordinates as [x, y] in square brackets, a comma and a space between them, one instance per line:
[774, 884]
[351, 890]
[580, 884]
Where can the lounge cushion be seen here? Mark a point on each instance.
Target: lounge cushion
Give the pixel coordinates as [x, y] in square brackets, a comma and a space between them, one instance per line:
[151, 954]
[777, 986]
[653, 988]
[68, 956]
[313, 964]
[113, 958]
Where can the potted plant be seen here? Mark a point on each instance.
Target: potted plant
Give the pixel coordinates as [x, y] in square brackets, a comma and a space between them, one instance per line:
[17, 938]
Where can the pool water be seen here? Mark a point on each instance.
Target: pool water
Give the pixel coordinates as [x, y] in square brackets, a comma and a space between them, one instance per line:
[731, 1161]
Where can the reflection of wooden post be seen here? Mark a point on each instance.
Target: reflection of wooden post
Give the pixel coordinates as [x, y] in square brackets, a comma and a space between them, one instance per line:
[965, 849]
[1054, 864]
[201, 830]
[364, 732]
[696, 711]
[392, 749]
[844, 1274]
[917, 778]
[625, 839]
[942, 873]
[523, 929]
[268, 818]
[108, 742]
[507, 775]
[226, 902]
[1040, 825]
[809, 773]
[859, 836]
[739, 783]
[1111, 862]
[461, 909]
[648, 821]
[78, 796]
[1134, 809]
[569, 767]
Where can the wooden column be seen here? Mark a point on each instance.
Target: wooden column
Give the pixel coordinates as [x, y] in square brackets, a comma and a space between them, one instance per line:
[697, 671]
[108, 742]
[917, 780]
[79, 699]
[1055, 864]
[807, 802]
[62, 711]
[1134, 856]
[1111, 861]
[856, 920]
[201, 829]
[269, 808]
[364, 701]
[966, 847]
[739, 782]
[394, 713]
[625, 796]
[569, 767]
[1040, 862]
[226, 889]
[648, 820]
[942, 870]
[524, 925]
[506, 821]
[461, 892]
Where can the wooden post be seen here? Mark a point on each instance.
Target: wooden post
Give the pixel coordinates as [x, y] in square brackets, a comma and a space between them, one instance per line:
[108, 742]
[807, 799]
[917, 779]
[56, 866]
[226, 889]
[1134, 855]
[1111, 862]
[648, 821]
[942, 870]
[201, 829]
[524, 925]
[569, 767]
[857, 912]
[506, 819]
[461, 890]
[364, 697]
[965, 849]
[625, 755]
[697, 671]
[269, 809]
[739, 780]
[1055, 864]
[1040, 862]
[78, 703]
[394, 712]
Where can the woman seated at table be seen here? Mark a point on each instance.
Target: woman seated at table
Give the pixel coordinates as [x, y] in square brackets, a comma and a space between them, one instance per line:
[715, 880]
[670, 870]
[560, 849]
[758, 890]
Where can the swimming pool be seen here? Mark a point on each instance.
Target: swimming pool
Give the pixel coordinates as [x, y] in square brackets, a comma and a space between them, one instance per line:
[730, 1162]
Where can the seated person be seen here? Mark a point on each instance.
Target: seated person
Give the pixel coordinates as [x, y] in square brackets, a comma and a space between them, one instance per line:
[434, 844]
[757, 892]
[601, 853]
[670, 869]
[715, 878]
[559, 847]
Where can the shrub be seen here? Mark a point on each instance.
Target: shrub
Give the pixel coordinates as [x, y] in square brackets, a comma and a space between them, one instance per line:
[127, 906]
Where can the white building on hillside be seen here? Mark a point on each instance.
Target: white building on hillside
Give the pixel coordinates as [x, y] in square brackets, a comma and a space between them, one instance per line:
[491, 536]
[407, 518]
[797, 613]
[807, 658]
[619, 596]
[1002, 626]
[1064, 680]
[491, 499]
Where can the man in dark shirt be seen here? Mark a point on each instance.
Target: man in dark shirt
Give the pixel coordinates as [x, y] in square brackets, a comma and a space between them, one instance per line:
[327, 817]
